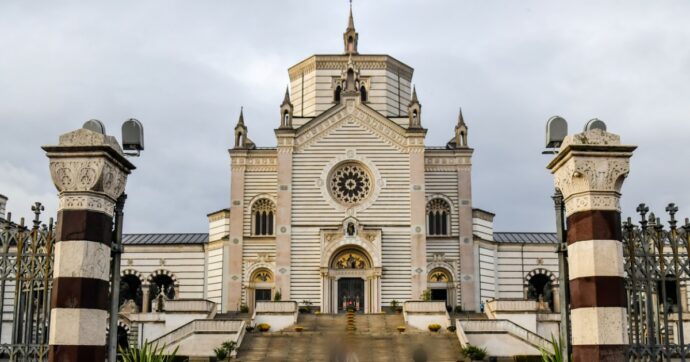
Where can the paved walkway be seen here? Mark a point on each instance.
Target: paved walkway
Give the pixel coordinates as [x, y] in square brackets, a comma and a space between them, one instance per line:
[325, 337]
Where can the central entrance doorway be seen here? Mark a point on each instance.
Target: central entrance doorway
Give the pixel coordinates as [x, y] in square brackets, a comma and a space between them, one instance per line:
[351, 294]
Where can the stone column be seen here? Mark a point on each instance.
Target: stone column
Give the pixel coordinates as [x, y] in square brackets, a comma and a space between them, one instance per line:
[285, 138]
[232, 248]
[468, 270]
[89, 171]
[589, 170]
[417, 217]
[145, 299]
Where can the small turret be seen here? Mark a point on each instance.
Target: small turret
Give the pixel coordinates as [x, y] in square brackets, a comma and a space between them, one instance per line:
[460, 139]
[461, 132]
[286, 111]
[241, 139]
[414, 111]
[350, 36]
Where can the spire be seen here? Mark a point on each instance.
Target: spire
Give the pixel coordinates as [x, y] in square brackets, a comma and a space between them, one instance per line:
[460, 139]
[414, 95]
[241, 139]
[461, 119]
[414, 111]
[286, 99]
[240, 121]
[286, 111]
[350, 20]
[350, 35]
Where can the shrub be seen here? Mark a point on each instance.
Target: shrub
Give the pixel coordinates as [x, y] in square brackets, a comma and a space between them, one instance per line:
[277, 297]
[458, 309]
[229, 346]
[263, 327]
[556, 356]
[221, 353]
[474, 353]
[299, 328]
[249, 328]
[244, 308]
[434, 327]
[148, 352]
[304, 310]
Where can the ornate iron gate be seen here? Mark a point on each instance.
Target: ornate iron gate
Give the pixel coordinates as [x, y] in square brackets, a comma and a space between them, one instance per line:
[657, 273]
[26, 273]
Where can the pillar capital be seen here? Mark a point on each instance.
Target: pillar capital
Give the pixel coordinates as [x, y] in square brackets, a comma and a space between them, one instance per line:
[89, 170]
[590, 169]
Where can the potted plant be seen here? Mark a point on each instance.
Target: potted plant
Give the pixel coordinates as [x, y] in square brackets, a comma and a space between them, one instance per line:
[451, 329]
[263, 327]
[244, 308]
[474, 353]
[221, 353]
[277, 297]
[249, 328]
[458, 309]
[434, 327]
[401, 329]
[299, 328]
[229, 346]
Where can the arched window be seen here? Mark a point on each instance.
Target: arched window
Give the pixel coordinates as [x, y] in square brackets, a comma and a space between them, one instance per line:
[130, 289]
[336, 93]
[162, 284]
[363, 93]
[438, 217]
[286, 118]
[263, 215]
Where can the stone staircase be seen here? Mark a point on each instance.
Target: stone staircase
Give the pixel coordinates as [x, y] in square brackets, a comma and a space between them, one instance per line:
[375, 338]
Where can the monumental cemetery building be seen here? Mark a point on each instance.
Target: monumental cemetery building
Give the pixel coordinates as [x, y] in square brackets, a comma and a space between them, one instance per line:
[352, 208]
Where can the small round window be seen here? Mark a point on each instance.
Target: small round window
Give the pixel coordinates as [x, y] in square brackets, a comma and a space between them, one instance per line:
[350, 183]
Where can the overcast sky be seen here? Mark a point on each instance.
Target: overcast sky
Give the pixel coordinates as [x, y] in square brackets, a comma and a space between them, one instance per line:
[185, 68]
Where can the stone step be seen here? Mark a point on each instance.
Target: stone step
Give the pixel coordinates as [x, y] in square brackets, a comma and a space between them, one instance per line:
[376, 339]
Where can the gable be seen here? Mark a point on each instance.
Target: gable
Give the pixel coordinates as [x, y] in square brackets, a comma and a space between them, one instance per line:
[375, 123]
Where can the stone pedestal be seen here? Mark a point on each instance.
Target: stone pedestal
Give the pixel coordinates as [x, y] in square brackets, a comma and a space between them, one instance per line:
[589, 170]
[89, 171]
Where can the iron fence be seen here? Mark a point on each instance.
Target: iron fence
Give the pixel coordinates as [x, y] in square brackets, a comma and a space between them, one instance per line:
[657, 273]
[26, 273]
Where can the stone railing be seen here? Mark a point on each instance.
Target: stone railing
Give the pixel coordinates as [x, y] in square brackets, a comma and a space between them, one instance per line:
[420, 314]
[508, 305]
[279, 315]
[424, 307]
[201, 326]
[190, 305]
[503, 326]
[276, 307]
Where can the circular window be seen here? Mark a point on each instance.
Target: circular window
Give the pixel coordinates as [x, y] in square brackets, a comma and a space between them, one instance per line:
[350, 183]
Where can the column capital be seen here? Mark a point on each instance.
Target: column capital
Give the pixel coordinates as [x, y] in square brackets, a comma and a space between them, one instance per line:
[89, 170]
[589, 170]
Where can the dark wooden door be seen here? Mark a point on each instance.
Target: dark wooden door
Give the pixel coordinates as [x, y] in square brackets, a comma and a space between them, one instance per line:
[351, 294]
[262, 295]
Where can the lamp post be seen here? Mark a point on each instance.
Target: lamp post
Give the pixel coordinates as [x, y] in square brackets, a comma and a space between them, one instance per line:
[563, 291]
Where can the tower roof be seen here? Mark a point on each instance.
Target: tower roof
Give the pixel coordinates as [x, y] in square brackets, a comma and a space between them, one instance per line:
[350, 20]
[240, 121]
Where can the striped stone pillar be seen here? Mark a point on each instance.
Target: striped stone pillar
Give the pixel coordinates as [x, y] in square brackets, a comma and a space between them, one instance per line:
[89, 171]
[589, 170]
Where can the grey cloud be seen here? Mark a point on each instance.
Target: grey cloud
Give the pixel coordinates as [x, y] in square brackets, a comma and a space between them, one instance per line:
[185, 68]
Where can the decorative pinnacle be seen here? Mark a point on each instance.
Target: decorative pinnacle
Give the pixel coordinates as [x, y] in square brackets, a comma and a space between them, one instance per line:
[286, 99]
[461, 119]
[241, 120]
[37, 208]
[414, 95]
[672, 209]
[642, 209]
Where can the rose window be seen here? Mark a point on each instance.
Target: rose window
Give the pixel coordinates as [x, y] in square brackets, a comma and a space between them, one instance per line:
[350, 183]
